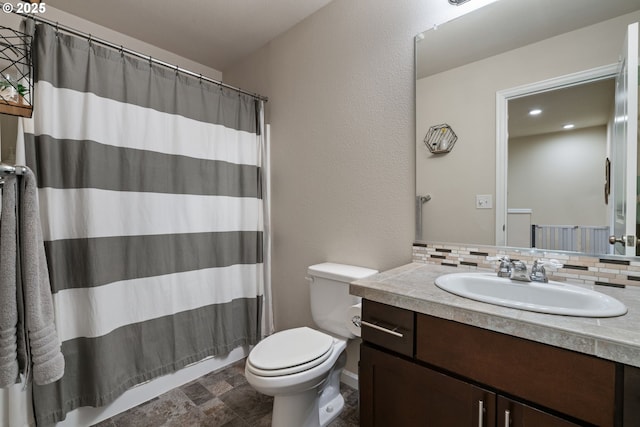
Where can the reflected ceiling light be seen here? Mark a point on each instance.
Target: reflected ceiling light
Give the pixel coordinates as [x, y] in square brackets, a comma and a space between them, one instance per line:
[568, 126]
[535, 112]
[457, 2]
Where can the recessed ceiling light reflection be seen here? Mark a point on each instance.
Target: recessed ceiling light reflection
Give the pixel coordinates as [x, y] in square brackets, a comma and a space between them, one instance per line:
[535, 112]
[568, 126]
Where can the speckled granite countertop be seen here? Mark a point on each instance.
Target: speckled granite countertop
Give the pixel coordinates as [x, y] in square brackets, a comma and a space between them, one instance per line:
[412, 287]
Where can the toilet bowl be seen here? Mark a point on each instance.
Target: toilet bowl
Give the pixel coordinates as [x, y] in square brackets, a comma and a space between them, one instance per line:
[301, 367]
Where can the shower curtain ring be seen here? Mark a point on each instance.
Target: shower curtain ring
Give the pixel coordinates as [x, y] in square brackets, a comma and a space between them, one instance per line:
[121, 51]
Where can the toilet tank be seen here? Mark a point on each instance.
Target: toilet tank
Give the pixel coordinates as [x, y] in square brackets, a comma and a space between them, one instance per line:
[330, 298]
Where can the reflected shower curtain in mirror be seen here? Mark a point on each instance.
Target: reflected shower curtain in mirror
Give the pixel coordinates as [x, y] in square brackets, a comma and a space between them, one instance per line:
[150, 187]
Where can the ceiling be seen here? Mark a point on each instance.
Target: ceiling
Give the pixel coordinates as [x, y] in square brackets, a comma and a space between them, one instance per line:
[483, 33]
[215, 33]
[584, 105]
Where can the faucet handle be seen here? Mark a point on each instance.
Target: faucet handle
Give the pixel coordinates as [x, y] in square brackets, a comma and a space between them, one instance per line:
[538, 272]
[498, 258]
[553, 263]
[505, 267]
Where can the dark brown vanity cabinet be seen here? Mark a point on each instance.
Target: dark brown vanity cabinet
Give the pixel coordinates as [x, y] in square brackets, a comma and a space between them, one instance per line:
[435, 372]
[397, 392]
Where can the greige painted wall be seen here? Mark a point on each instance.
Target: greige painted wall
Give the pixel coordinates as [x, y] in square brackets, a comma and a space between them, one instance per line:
[8, 136]
[341, 107]
[465, 98]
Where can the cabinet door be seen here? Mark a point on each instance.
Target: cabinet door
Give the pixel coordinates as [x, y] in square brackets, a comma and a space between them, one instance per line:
[398, 392]
[515, 414]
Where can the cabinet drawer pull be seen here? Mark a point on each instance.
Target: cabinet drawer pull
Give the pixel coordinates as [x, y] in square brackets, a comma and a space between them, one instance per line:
[480, 413]
[380, 328]
[507, 418]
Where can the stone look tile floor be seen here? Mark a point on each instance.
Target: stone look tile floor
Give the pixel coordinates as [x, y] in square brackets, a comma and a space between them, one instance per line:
[220, 398]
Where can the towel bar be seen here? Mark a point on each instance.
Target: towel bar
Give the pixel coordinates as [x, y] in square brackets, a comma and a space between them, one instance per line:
[12, 170]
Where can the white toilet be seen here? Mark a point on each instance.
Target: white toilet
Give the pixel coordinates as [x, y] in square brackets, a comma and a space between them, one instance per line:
[301, 367]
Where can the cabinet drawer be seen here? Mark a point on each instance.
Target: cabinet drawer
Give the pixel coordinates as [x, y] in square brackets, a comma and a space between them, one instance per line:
[576, 384]
[388, 326]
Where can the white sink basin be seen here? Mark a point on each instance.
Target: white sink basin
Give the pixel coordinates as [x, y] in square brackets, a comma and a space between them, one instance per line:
[550, 298]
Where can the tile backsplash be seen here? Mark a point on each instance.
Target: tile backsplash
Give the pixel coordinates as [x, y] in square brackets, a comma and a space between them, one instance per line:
[616, 272]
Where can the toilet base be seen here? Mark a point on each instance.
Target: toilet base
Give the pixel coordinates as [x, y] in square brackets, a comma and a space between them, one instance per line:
[308, 409]
[302, 410]
[331, 401]
[331, 410]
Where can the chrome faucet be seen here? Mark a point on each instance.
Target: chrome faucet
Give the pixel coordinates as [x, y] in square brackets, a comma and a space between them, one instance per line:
[519, 272]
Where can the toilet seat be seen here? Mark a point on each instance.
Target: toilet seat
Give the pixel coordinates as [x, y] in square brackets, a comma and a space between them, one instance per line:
[290, 352]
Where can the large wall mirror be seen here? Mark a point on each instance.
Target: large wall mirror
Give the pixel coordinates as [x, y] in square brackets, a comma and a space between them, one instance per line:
[529, 54]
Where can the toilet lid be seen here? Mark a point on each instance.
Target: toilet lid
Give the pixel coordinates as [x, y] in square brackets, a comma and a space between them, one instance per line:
[298, 347]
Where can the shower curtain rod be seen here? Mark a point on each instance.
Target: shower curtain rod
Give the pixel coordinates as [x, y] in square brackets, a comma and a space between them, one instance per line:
[120, 48]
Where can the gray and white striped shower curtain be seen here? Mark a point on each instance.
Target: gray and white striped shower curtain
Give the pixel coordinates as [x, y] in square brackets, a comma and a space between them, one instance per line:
[150, 187]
